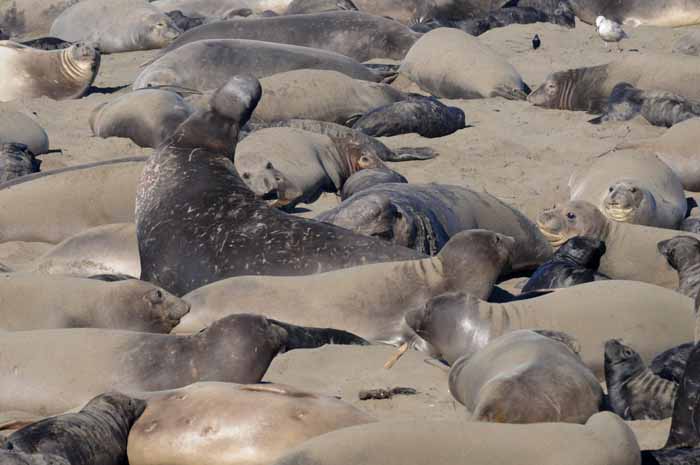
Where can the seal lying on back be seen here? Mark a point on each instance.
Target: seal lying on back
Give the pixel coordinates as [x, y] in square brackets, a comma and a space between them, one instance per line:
[683, 254]
[668, 13]
[368, 300]
[575, 262]
[425, 216]
[630, 248]
[16, 161]
[634, 392]
[18, 128]
[524, 377]
[365, 179]
[588, 89]
[59, 74]
[95, 435]
[194, 168]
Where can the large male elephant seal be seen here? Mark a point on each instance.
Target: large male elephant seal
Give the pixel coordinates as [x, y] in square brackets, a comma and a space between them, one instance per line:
[368, 300]
[630, 249]
[58, 74]
[116, 26]
[425, 216]
[33, 301]
[357, 35]
[588, 89]
[525, 377]
[231, 423]
[16, 161]
[97, 434]
[605, 439]
[209, 64]
[459, 324]
[667, 13]
[632, 187]
[18, 128]
[194, 170]
[683, 254]
[450, 63]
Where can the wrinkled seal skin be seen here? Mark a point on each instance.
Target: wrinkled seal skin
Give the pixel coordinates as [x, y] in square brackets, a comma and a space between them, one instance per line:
[16, 161]
[575, 262]
[683, 254]
[95, 435]
[191, 181]
[667, 13]
[365, 179]
[634, 391]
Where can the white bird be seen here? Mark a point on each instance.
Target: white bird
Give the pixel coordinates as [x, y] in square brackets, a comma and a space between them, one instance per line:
[609, 31]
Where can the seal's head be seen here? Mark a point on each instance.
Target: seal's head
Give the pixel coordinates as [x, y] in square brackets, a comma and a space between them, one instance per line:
[154, 305]
[584, 251]
[576, 218]
[548, 94]
[626, 202]
[271, 185]
[83, 58]
[680, 251]
[158, 32]
[117, 404]
[621, 361]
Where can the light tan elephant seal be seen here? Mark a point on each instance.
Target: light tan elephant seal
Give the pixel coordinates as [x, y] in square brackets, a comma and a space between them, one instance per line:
[632, 187]
[232, 424]
[16, 127]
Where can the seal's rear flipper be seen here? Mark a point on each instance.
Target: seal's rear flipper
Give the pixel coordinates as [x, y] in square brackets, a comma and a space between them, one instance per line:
[411, 153]
[301, 337]
[686, 410]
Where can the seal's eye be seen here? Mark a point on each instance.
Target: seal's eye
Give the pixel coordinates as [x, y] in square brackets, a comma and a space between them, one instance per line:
[155, 296]
[634, 189]
[626, 353]
[245, 175]
[278, 179]
[571, 215]
[269, 165]
[610, 189]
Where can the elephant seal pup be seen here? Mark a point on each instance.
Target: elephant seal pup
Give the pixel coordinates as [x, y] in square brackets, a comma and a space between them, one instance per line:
[16, 161]
[209, 64]
[310, 163]
[427, 117]
[460, 324]
[368, 300]
[688, 44]
[683, 254]
[194, 168]
[365, 179]
[236, 349]
[231, 423]
[588, 89]
[632, 187]
[18, 128]
[634, 392]
[121, 26]
[66, 302]
[575, 262]
[146, 116]
[97, 434]
[670, 364]
[59, 74]
[524, 377]
[630, 249]
[57, 204]
[425, 216]
[357, 35]
[666, 13]
[464, 69]
[604, 439]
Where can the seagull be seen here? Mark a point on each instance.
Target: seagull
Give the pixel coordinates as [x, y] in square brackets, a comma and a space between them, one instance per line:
[610, 31]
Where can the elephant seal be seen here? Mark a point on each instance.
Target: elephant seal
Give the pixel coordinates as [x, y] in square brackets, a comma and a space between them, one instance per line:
[209, 64]
[689, 44]
[425, 216]
[18, 128]
[18, 458]
[365, 179]
[302, 7]
[57, 204]
[16, 161]
[96, 434]
[632, 187]
[146, 116]
[195, 168]
[634, 392]
[683, 254]
[59, 74]
[121, 26]
[368, 300]
[666, 13]
[30, 17]
[603, 440]
[310, 163]
[427, 117]
[357, 35]
[66, 302]
[524, 377]
[575, 262]
[185, 23]
[236, 349]
[588, 89]
[232, 423]
[221, 8]
[464, 68]
[630, 249]
[670, 364]
[460, 324]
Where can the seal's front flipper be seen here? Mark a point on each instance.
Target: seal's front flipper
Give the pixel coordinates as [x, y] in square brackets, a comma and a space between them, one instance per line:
[686, 410]
[412, 153]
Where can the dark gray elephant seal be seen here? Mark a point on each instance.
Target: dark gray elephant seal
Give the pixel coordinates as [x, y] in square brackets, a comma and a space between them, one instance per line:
[18, 128]
[16, 161]
[364, 179]
[575, 262]
[146, 116]
[524, 377]
[683, 254]
[357, 35]
[195, 168]
[668, 13]
[689, 44]
[95, 435]
[185, 23]
[670, 364]
[634, 392]
[209, 64]
[425, 216]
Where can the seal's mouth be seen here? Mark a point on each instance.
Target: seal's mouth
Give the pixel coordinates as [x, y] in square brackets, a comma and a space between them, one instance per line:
[617, 213]
[555, 239]
[273, 199]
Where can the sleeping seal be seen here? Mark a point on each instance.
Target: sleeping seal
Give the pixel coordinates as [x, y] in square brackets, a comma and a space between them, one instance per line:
[365, 179]
[16, 161]
[18, 128]
[683, 254]
[666, 13]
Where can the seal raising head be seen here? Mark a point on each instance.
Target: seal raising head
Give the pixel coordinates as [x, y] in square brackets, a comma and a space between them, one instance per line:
[574, 89]
[625, 201]
[576, 218]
